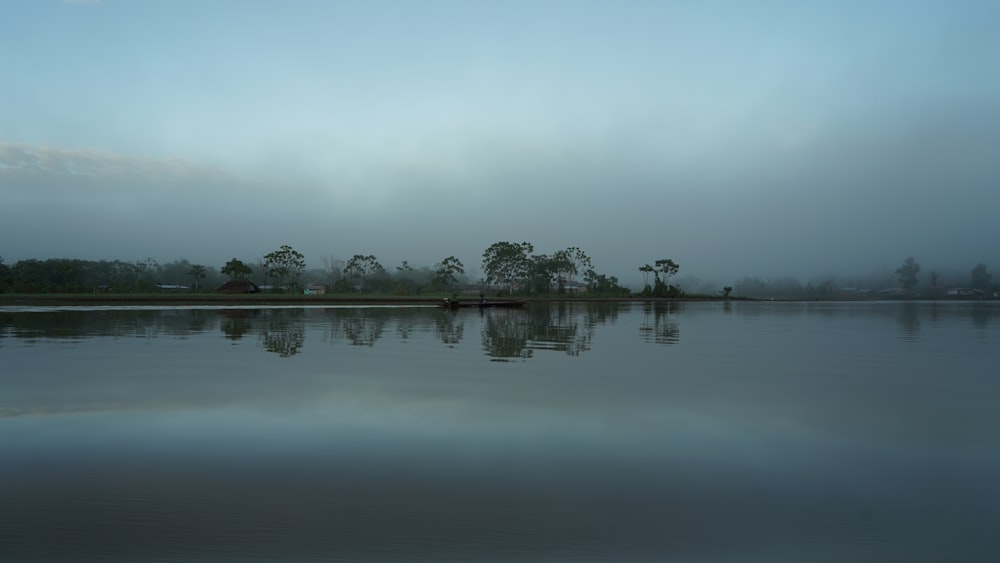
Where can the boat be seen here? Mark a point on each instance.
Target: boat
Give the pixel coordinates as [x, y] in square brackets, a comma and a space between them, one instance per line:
[453, 304]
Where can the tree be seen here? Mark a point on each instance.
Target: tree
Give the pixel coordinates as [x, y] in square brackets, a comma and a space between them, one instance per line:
[980, 278]
[600, 283]
[197, 272]
[661, 287]
[5, 281]
[666, 267]
[285, 265]
[907, 274]
[562, 268]
[506, 264]
[446, 273]
[361, 270]
[237, 270]
[405, 284]
[541, 272]
[646, 269]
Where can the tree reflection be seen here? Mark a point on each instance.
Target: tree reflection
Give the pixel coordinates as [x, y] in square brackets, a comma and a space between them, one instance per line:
[449, 327]
[565, 327]
[559, 327]
[506, 333]
[562, 328]
[909, 321]
[284, 332]
[364, 327]
[236, 323]
[657, 325]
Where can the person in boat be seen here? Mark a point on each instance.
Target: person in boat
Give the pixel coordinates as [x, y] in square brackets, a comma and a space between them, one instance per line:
[482, 299]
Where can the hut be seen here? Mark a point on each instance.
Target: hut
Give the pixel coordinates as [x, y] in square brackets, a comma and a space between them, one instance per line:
[238, 286]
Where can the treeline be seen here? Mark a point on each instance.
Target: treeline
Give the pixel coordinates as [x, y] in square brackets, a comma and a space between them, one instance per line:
[910, 280]
[509, 268]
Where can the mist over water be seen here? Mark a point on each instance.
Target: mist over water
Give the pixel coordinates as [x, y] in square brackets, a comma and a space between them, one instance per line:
[563, 432]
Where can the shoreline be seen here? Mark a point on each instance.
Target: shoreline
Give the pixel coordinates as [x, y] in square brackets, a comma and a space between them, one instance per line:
[268, 299]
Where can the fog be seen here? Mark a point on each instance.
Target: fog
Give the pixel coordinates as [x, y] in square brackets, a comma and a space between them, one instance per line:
[791, 140]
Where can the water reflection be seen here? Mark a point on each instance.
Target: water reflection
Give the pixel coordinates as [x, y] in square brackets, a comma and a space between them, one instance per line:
[284, 333]
[659, 322]
[909, 321]
[505, 334]
[778, 432]
[236, 323]
[362, 327]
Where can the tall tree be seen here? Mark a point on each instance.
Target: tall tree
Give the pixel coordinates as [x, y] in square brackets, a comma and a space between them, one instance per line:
[668, 268]
[600, 283]
[285, 265]
[446, 273]
[542, 272]
[197, 273]
[907, 274]
[576, 260]
[506, 264]
[646, 269]
[980, 278]
[404, 286]
[362, 270]
[5, 280]
[237, 270]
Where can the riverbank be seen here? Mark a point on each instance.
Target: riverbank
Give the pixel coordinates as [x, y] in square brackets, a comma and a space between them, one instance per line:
[288, 299]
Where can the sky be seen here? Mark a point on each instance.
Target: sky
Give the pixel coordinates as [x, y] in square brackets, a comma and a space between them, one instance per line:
[764, 138]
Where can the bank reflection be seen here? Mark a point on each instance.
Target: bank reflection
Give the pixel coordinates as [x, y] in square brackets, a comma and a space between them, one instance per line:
[506, 334]
[660, 322]
[285, 333]
[570, 328]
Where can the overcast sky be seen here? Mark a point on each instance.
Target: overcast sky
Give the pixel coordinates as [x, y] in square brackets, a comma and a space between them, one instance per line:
[738, 138]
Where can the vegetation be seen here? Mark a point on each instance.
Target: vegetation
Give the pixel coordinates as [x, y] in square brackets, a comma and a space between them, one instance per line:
[508, 269]
[981, 279]
[661, 287]
[507, 264]
[908, 274]
[446, 273]
[284, 266]
[364, 273]
[237, 270]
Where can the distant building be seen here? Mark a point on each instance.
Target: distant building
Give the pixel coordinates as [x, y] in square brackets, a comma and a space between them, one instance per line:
[855, 293]
[891, 293]
[172, 287]
[238, 286]
[315, 289]
[965, 293]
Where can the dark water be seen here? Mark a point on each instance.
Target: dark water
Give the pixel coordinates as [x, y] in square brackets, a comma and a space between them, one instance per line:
[772, 432]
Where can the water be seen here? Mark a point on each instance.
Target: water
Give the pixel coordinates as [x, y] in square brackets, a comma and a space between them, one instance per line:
[689, 432]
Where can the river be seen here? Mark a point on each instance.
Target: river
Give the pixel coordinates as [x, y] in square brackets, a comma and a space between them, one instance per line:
[682, 432]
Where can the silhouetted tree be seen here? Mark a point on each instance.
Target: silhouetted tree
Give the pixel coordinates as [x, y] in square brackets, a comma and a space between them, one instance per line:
[285, 265]
[446, 273]
[907, 274]
[506, 264]
[197, 273]
[404, 285]
[363, 270]
[237, 270]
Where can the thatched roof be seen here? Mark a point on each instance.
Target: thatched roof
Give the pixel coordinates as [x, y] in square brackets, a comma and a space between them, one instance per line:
[238, 286]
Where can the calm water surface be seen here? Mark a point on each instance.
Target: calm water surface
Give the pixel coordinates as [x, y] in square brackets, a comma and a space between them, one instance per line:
[699, 432]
